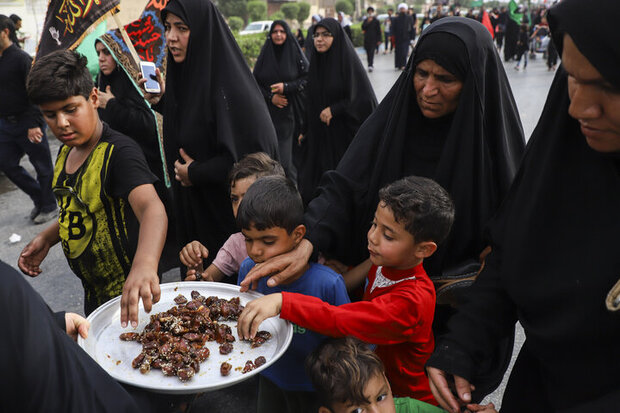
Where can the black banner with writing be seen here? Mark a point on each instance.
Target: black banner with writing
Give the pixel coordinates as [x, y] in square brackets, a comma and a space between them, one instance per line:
[67, 21]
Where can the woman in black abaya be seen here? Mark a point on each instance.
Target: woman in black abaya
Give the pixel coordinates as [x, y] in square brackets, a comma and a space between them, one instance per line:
[473, 151]
[281, 72]
[555, 240]
[340, 98]
[214, 114]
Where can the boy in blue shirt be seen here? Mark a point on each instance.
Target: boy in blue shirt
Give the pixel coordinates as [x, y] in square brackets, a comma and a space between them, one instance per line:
[270, 217]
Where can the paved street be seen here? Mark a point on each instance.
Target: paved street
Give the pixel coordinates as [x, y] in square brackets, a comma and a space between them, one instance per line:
[62, 290]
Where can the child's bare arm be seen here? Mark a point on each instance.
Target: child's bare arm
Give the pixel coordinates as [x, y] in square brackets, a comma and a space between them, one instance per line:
[356, 275]
[34, 253]
[143, 281]
[212, 273]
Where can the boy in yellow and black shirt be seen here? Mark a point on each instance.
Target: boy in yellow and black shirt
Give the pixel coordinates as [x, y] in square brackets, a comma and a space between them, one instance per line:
[111, 225]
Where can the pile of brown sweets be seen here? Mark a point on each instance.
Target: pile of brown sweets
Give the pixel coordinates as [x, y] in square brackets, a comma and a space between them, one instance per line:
[174, 340]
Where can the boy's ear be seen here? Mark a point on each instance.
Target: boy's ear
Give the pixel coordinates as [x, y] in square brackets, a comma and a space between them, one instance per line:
[93, 97]
[298, 233]
[324, 409]
[425, 249]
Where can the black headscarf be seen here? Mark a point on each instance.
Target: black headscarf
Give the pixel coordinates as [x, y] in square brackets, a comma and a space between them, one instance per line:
[336, 79]
[555, 251]
[280, 63]
[473, 153]
[214, 111]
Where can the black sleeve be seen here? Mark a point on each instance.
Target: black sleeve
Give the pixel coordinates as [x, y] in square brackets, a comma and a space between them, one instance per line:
[134, 117]
[32, 114]
[486, 318]
[43, 370]
[128, 168]
[295, 86]
[60, 320]
[215, 170]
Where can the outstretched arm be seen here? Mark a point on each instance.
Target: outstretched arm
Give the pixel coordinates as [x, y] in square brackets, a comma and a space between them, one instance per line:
[143, 281]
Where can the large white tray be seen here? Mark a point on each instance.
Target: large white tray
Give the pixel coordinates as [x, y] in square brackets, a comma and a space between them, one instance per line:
[115, 356]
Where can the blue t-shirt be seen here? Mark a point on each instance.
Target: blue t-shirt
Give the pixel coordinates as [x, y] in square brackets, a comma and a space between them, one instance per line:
[288, 372]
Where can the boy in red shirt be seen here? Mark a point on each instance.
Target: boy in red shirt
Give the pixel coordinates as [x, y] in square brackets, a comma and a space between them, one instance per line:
[414, 215]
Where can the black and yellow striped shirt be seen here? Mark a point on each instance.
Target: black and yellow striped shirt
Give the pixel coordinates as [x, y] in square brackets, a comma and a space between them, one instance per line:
[98, 229]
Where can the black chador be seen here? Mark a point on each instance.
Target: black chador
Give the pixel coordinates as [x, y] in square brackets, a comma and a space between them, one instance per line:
[337, 80]
[555, 250]
[214, 110]
[473, 153]
[286, 64]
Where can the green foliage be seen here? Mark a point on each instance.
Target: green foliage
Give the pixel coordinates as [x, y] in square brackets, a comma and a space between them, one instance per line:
[233, 8]
[278, 15]
[381, 10]
[257, 10]
[250, 45]
[344, 6]
[304, 11]
[235, 23]
[290, 10]
[357, 37]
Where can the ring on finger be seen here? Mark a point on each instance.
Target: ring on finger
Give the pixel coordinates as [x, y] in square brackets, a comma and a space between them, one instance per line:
[198, 276]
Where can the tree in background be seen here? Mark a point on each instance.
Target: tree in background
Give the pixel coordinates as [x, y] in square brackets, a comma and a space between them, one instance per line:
[233, 8]
[290, 10]
[344, 6]
[235, 23]
[278, 15]
[257, 10]
[304, 12]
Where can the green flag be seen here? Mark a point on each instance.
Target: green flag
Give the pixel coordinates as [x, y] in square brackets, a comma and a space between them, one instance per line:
[476, 3]
[512, 6]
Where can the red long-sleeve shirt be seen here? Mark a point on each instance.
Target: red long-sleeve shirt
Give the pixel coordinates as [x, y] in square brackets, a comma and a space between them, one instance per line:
[396, 314]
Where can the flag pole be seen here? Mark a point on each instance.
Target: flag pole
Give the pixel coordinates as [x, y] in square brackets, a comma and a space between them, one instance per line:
[132, 50]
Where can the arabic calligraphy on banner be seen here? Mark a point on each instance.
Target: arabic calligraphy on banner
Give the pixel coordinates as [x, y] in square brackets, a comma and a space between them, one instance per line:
[67, 21]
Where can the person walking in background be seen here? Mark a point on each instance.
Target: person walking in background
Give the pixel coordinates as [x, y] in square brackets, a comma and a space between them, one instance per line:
[402, 25]
[345, 22]
[22, 129]
[523, 46]
[340, 98]
[309, 42]
[372, 36]
[387, 31]
[19, 35]
[281, 71]
[300, 38]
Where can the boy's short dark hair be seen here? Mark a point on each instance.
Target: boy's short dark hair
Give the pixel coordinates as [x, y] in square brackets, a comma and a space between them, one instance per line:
[271, 201]
[370, 8]
[256, 164]
[422, 206]
[340, 369]
[58, 76]
[15, 18]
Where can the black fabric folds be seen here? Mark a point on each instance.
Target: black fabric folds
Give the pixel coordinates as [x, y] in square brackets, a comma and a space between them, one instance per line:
[214, 110]
[555, 251]
[447, 51]
[474, 154]
[288, 64]
[336, 79]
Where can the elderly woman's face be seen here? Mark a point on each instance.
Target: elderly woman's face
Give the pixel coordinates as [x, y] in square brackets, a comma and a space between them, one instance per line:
[594, 102]
[437, 90]
[278, 35]
[177, 37]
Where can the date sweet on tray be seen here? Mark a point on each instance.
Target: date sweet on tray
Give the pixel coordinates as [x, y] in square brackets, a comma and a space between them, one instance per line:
[173, 341]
